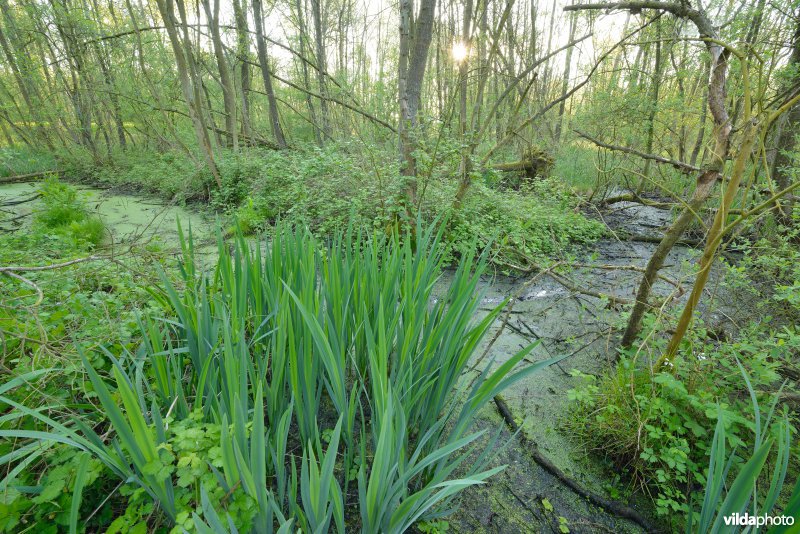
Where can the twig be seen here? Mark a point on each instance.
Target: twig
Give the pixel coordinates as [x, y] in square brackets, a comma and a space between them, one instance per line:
[507, 315]
[575, 289]
[17, 202]
[30, 283]
[21, 268]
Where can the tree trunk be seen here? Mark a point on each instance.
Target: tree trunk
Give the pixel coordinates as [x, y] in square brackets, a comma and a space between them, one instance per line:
[274, 118]
[312, 113]
[190, 94]
[651, 114]
[717, 102]
[319, 37]
[226, 80]
[786, 134]
[565, 80]
[243, 53]
[413, 59]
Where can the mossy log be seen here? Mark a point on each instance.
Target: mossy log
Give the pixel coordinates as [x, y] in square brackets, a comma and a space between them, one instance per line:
[534, 162]
[31, 177]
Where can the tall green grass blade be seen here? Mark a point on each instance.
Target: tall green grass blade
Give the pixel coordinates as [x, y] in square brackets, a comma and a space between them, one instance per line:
[77, 492]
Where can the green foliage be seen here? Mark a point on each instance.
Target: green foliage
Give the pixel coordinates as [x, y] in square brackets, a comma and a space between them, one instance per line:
[49, 501]
[329, 188]
[742, 495]
[170, 174]
[300, 335]
[65, 213]
[658, 428]
[24, 160]
[522, 226]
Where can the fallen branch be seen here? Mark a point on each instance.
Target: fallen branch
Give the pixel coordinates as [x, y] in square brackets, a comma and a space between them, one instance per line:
[52, 266]
[15, 219]
[603, 267]
[17, 202]
[30, 177]
[681, 166]
[614, 507]
[633, 197]
[533, 267]
[575, 289]
[31, 283]
[687, 242]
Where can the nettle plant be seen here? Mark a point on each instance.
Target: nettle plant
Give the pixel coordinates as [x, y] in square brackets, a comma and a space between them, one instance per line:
[302, 385]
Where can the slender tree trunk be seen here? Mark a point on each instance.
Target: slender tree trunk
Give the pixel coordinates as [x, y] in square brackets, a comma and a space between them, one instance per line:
[226, 80]
[190, 93]
[717, 102]
[413, 59]
[786, 135]
[301, 22]
[319, 38]
[701, 130]
[243, 53]
[651, 114]
[565, 79]
[463, 70]
[274, 118]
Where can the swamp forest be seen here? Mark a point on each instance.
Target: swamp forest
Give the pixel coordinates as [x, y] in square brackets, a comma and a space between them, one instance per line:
[426, 266]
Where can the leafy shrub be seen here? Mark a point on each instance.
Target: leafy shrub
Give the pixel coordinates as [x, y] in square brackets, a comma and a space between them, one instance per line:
[522, 226]
[744, 494]
[329, 188]
[25, 160]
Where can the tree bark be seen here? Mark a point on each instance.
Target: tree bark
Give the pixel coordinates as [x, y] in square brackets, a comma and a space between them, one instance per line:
[274, 118]
[312, 113]
[786, 134]
[189, 90]
[717, 102]
[226, 80]
[243, 54]
[322, 61]
[413, 59]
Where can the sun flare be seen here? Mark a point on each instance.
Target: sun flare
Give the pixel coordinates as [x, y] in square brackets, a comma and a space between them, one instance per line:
[460, 52]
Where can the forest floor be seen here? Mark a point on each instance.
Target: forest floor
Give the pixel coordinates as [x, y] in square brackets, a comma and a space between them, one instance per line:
[554, 311]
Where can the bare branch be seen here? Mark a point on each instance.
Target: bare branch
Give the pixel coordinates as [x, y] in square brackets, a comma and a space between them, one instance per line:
[680, 165]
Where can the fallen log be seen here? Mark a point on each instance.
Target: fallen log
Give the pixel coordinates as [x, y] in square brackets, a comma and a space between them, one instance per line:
[17, 202]
[686, 242]
[534, 162]
[637, 199]
[614, 507]
[30, 177]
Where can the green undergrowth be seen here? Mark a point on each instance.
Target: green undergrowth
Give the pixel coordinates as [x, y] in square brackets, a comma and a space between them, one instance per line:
[658, 427]
[329, 188]
[92, 303]
[21, 160]
[65, 213]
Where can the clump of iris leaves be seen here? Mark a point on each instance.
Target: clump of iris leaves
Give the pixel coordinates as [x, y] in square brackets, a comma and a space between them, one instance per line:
[329, 381]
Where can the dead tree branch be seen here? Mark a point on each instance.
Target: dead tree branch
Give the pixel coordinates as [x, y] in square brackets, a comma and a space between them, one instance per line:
[685, 168]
